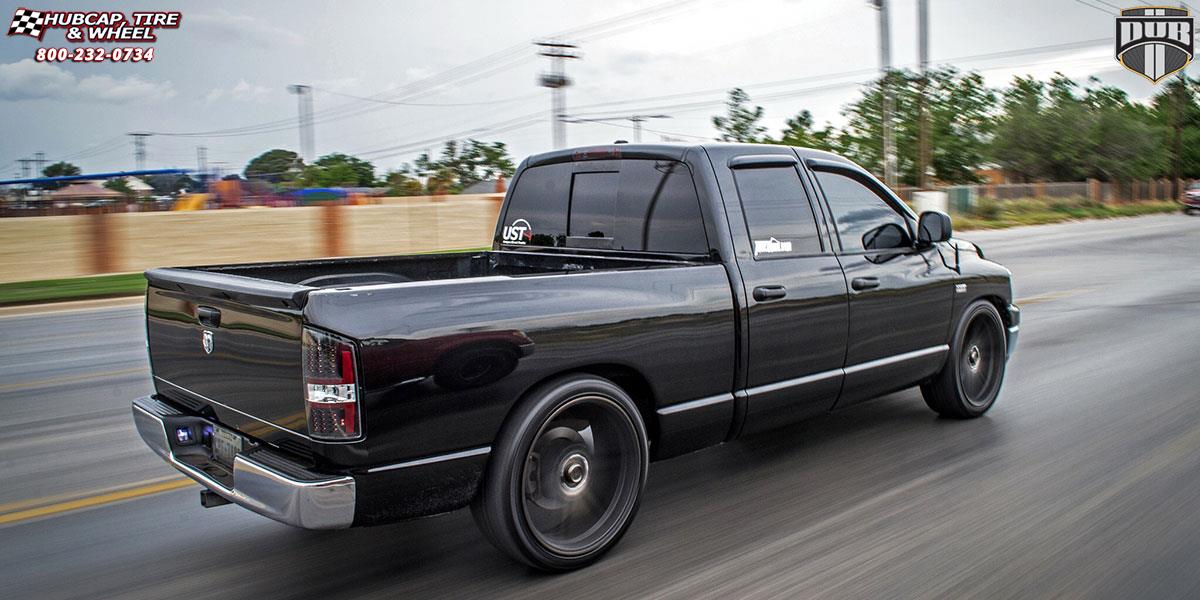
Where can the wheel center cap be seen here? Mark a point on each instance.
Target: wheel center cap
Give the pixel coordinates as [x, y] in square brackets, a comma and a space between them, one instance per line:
[973, 357]
[574, 471]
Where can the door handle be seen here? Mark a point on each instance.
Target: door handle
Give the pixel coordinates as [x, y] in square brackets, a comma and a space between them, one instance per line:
[765, 293]
[864, 283]
[208, 316]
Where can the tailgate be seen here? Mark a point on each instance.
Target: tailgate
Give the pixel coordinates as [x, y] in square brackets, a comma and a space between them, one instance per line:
[231, 344]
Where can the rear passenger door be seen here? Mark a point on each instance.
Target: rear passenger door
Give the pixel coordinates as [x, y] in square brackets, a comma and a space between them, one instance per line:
[795, 291]
[900, 295]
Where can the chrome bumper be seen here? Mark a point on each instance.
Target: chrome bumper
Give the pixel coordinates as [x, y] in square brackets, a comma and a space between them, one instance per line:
[297, 497]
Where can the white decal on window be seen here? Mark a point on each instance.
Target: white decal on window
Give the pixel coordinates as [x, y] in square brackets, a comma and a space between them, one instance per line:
[771, 245]
[519, 233]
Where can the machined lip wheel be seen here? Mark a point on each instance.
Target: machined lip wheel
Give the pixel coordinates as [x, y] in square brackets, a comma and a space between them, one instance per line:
[581, 475]
[981, 363]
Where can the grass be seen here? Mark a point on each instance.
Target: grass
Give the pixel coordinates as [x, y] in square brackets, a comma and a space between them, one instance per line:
[1001, 214]
[74, 288]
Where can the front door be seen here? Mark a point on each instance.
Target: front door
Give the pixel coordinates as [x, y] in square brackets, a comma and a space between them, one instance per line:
[900, 296]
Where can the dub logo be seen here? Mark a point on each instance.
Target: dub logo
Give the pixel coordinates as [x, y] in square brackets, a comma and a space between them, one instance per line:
[1154, 41]
[519, 232]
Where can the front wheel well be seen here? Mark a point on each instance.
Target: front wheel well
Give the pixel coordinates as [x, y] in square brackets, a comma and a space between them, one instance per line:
[1001, 305]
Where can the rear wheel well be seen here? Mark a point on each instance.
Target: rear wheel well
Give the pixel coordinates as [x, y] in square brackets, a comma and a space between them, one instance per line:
[628, 379]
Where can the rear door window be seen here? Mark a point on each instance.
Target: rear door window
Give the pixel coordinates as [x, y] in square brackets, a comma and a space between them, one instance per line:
[779, 216]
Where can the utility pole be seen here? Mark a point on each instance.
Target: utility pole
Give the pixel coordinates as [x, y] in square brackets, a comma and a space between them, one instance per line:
[26, 165]
[305, 104]
[923, 59]
[40, 159]
[139, 149]
[885, 88]
[637, 124]
[202, 161]
[556, 79]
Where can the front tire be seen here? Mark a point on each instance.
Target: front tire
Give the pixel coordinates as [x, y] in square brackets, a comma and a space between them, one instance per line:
[566, 474]
[970, 382]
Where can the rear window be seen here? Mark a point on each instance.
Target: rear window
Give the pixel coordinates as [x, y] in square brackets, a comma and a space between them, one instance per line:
[642, 205]
[779, 217]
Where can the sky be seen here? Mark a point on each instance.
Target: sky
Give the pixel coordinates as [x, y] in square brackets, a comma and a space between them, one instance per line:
[221, 79]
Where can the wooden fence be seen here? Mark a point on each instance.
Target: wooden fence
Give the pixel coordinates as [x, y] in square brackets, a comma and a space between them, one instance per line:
[67, 246]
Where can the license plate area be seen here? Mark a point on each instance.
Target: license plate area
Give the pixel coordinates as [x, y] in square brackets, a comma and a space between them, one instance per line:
[225, 445]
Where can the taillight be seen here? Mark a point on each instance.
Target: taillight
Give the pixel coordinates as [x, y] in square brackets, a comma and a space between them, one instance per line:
[330, 389]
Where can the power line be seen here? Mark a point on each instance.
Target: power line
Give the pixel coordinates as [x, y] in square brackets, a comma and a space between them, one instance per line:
[429, 104]
[505, 58]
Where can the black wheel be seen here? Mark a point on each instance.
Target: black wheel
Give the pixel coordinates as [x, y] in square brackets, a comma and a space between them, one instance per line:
[566, 474]
[970, 382]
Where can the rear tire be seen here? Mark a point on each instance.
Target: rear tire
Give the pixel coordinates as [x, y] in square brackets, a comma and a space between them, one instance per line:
[970, 382]
[566, 474]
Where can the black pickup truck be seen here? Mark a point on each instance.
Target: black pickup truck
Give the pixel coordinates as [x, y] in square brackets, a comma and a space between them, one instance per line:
[638, 302]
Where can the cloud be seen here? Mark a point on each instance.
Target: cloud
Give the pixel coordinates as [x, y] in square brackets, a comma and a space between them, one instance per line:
[243, 91]
[227, 27]
[29, 80]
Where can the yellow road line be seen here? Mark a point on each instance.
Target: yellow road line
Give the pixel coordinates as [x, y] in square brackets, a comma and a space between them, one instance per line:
[94, 500]
[31, 385]
[8, 507]
[1052, 296]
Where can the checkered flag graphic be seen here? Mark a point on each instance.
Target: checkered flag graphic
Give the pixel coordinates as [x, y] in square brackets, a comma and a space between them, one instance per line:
[27, 22]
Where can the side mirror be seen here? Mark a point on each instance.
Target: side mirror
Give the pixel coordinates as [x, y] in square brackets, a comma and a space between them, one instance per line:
[933, 227]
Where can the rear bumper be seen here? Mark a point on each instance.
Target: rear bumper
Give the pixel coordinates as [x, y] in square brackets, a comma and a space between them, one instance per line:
[262, 480]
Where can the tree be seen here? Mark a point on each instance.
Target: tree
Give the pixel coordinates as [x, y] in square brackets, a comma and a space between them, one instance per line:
[58, 169]
[1060, 131]
[800, 132]
[338, 170]
[120, 185]
[170, 184]
[458, 167]
[1176, 110]
[740, 123]
[274, 165]
[402, 183]
[961, 123]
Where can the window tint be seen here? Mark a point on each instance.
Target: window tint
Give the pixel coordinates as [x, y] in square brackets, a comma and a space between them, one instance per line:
[593, 198]
[624, 205]
[537, 208]
[779, 217]
[659, 210]
[861, 216]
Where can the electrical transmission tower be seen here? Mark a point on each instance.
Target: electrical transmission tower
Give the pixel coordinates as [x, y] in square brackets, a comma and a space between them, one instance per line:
[139, 149]
[202, 161]
[307, 139]
[556, 79]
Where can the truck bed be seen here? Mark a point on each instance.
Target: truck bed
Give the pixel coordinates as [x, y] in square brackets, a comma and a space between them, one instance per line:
[287, 284]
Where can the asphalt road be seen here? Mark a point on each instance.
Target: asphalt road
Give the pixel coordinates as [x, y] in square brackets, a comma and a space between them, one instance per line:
[1083, 481]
